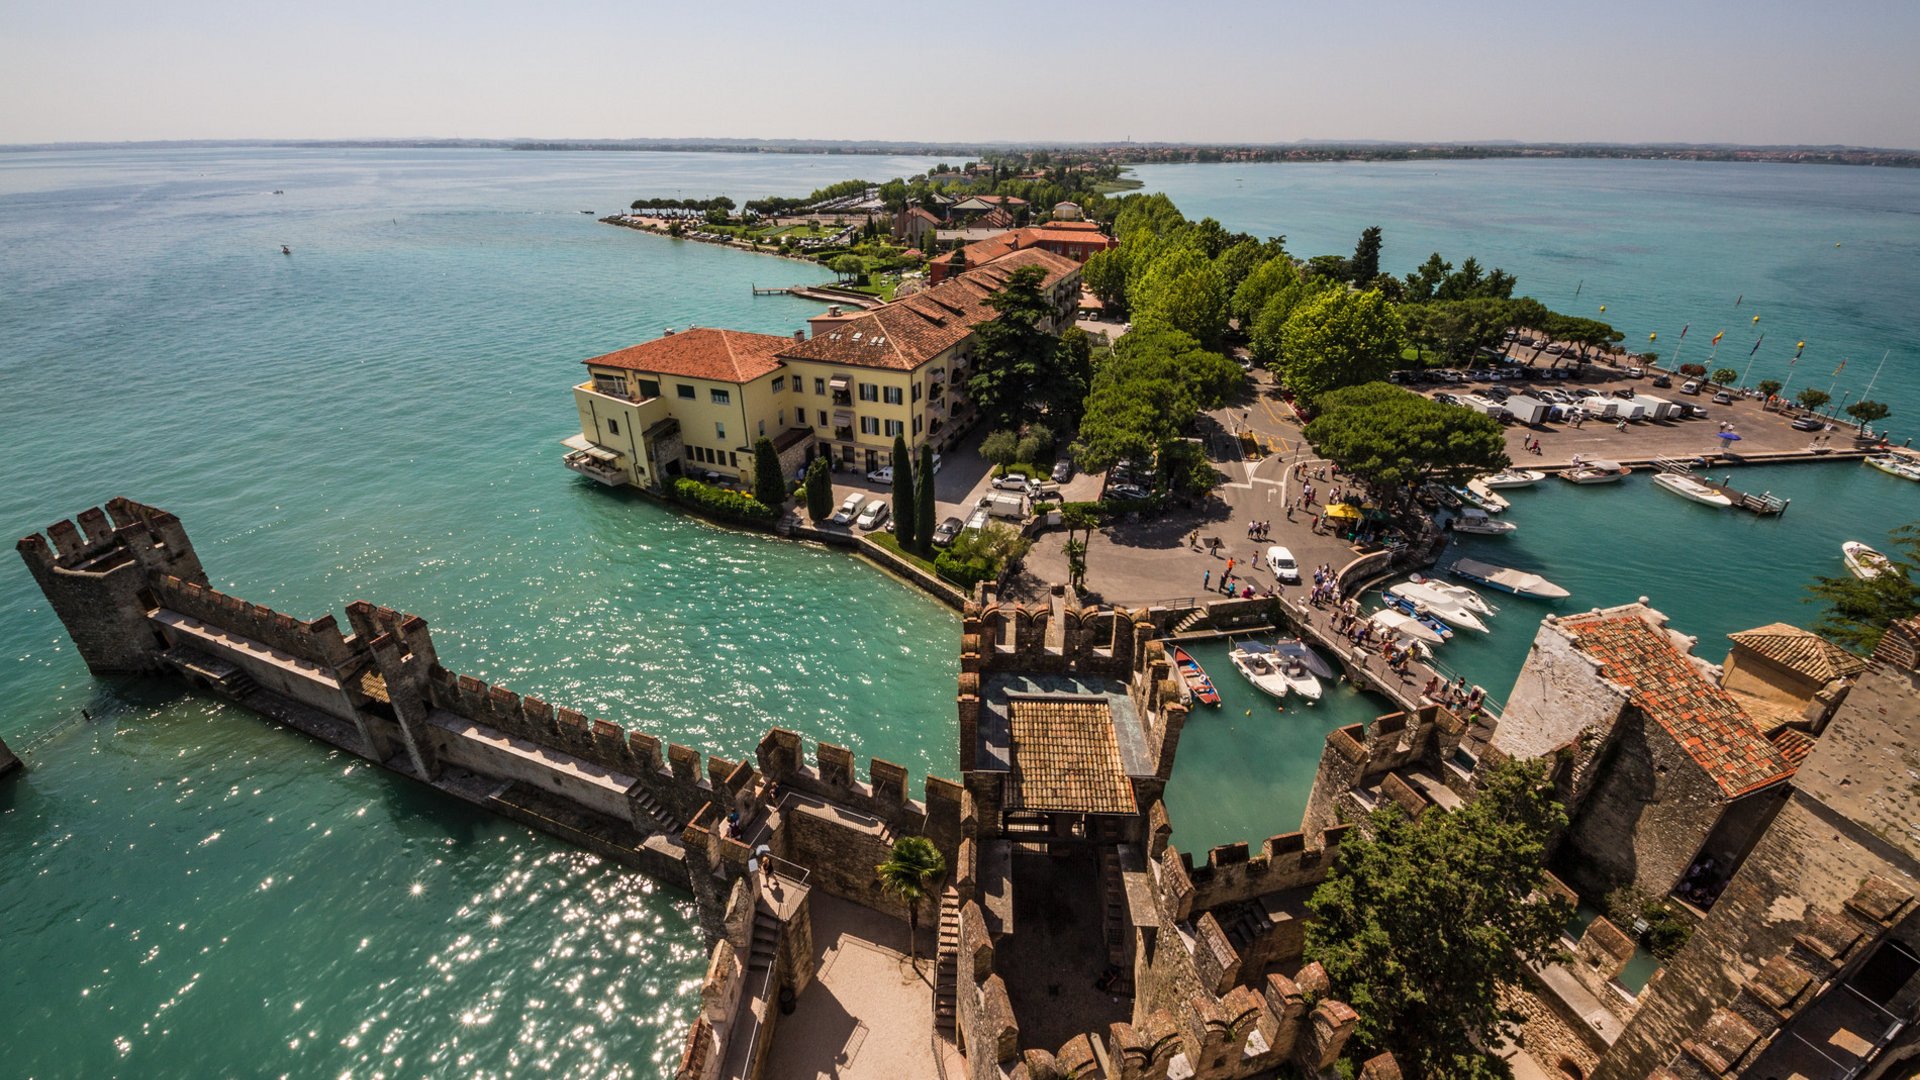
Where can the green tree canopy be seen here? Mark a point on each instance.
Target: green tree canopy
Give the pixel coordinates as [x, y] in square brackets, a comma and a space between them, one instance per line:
[1180, 290]
[1725, 376]
[1869, 412]
[1365, 264]
[1768, 387]
[768, 485]
[905, 516]
[819, 490]
[1002, 448]
[1390, 437]
[1147, 390]
[1339, 339]
[923, 508]
[1809, 398]
[1859, 609]
[1016, 359]
[1266, 281]
[1423, 920]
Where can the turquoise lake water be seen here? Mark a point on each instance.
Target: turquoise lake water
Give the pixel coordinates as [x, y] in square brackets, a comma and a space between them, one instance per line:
[191, 891]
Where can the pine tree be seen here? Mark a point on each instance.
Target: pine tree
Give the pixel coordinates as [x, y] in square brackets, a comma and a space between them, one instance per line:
[819, 490]
[923, 501]
[904, 517]
[768, 485]
[1366, 257]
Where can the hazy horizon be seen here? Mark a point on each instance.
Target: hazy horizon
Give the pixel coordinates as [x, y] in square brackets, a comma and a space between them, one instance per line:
[1767, 73]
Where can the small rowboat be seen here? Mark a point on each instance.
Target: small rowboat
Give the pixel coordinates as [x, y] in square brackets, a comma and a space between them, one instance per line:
[1196, 677]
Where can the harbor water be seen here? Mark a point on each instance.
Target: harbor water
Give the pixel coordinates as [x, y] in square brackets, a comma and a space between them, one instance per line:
[191, 891]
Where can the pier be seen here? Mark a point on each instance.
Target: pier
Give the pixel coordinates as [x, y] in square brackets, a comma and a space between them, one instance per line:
[1766, 503]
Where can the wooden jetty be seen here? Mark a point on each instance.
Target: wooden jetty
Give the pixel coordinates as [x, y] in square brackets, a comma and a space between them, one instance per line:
[764, 290]
[1764, 504]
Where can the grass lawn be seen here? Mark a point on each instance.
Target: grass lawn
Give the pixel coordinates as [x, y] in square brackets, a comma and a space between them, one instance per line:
[891, 543]
[1108, 187]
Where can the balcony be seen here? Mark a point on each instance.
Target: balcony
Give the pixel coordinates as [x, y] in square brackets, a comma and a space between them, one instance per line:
[618, 391]
[843, 399]
[843, 434]
[597, 464]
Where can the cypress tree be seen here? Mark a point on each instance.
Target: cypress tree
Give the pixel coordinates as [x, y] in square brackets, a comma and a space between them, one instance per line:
[768, 485]
[904, 518]
[819, 490]
[923, 500]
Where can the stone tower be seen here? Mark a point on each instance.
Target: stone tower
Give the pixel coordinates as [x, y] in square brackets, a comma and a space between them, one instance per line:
[97, 578]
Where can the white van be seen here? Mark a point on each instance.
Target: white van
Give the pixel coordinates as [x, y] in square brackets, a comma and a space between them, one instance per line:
[1004, 505]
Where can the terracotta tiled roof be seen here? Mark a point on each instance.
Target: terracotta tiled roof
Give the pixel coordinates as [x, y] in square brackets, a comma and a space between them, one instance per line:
[996, 218]
[1792, 744]
[1703, 718]
[721, 355]
[985, 251]
[1065, 757]
[1801, 651]
[913, 330]
[922, 212]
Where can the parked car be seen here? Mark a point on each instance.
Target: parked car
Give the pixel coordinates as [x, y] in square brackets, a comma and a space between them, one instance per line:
[1062, 469]
[1635, 372]
[1012, 482]
[944, 533]
[1693, 412]
[1280, 561]
[1494, 393]
[881, 476]
[1723, 398]
[1583, 394]
[1625, 393]
[1128, 491]
[848, 509]
[1691, 386]
[1446, 399]
[1662, 381]
[873, 516]
[1808, 423]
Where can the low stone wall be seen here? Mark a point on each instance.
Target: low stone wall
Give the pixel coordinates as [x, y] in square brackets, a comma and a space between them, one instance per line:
[1550, 1032]
[933, 586]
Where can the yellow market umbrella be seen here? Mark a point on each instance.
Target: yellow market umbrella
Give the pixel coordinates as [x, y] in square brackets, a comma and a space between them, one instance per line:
[1340, 511]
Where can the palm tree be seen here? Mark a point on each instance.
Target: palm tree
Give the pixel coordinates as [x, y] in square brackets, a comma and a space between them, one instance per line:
[907, 873]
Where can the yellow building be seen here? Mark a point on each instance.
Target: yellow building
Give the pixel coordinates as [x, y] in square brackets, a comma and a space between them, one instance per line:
[693, 403]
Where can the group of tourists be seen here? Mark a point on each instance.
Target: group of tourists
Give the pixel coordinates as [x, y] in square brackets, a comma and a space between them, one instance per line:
[1454, 695]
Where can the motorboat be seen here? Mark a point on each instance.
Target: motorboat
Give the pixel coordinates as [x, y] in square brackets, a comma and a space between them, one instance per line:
[1452, 593]
[1442, 495]
[1196, 677]
[1472, 519]
[1865, 563]
[1261, 667]
[1896, 465]
[1596, 471]
[1289, 665]
[1303, 652]
[1420, 614]
[1513, 478]
[1414, 600]
[1407, 626]
[1694, 488]
[1507, 579]
[1479, 494]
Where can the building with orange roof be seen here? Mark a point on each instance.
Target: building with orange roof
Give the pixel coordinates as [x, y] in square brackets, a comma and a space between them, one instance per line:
[1667, 769]
[693, 403]
[1078, 241]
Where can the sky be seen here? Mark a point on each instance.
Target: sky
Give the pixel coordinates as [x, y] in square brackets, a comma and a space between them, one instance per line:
[1758, 72]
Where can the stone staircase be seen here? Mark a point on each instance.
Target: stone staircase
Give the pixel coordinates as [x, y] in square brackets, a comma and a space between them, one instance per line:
[766, 942]
[662, 820]
[1190, 620]
[947, 966]
[1113, 902]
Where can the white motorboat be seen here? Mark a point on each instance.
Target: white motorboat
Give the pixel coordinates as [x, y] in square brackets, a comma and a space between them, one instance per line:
[1512, 478]
[1479, 494]
[1596, 471]
[1472, 519]
[1297, 649]
[1863, 562]
[1456, 594]
[1405, 626]
[1896, 465]
[1692, 487]
[1261, 667]
[1507, 579]
[1425, 602]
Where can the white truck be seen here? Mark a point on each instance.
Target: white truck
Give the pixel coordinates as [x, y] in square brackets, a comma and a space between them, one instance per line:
[1004, 504]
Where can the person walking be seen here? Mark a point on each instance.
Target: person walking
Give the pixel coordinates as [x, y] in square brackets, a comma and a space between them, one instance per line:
[1206, 580]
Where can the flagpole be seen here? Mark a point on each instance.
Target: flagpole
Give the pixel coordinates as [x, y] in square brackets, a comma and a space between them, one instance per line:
[1876, 374]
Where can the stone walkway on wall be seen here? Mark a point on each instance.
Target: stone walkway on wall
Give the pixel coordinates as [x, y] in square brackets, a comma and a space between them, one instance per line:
[867, 1015]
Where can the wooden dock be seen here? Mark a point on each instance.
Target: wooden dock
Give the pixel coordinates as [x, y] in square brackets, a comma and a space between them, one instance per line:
[764, 290]
[1764, 504]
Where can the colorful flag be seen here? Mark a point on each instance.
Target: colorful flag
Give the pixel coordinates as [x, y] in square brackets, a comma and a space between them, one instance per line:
[1718, 336]
[1683, 332]
[1842, 367]
[1756, 345]
[1802, 347]
[1737, 299]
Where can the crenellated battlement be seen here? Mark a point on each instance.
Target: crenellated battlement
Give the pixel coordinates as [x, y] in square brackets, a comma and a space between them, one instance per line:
[1234, 872]
[319, 641]
[1017, 637]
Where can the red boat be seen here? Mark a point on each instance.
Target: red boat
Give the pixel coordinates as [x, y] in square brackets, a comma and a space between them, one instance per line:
[1196, 677]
